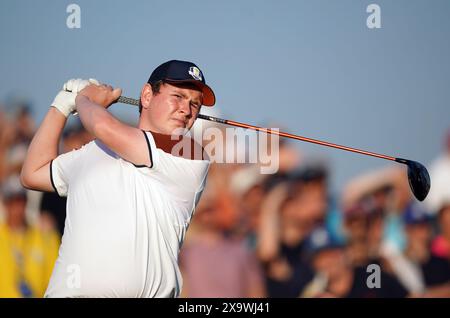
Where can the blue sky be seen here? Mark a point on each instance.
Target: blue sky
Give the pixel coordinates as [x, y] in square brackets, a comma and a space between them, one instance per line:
[312, 67]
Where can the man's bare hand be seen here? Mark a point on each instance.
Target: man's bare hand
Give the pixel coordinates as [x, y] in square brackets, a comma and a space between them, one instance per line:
[103, 95]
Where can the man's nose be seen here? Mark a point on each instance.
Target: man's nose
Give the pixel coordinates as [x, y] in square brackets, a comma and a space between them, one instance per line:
[185, 107]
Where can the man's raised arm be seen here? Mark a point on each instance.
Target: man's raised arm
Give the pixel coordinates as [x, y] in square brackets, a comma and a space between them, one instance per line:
[126, 141]
[43, 149]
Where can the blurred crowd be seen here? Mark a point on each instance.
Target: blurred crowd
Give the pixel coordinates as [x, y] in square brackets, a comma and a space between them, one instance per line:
[31, 222]
[256, 235]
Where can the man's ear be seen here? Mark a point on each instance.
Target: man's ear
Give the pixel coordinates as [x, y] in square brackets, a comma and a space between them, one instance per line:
[146, 95]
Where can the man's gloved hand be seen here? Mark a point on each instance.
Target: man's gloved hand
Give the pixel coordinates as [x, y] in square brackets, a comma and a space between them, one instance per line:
[65, 100]
[76, 85]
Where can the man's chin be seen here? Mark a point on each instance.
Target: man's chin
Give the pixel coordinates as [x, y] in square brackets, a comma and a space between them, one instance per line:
[179, 131]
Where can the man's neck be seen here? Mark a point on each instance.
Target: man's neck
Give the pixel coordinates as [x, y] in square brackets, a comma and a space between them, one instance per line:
[145, 125]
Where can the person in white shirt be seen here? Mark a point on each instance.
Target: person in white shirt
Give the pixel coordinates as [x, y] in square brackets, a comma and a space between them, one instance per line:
[131, 192]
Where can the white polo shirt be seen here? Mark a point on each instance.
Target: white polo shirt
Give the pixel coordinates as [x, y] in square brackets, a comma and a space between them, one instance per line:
[125, 224]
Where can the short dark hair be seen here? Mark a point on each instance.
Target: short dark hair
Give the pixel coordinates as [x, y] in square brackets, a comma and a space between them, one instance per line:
[155, 89]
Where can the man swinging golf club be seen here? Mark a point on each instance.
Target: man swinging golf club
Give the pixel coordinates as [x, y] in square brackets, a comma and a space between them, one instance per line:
[129, 198]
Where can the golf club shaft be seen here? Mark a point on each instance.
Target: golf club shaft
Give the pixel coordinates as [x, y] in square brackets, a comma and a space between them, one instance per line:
[132, 101]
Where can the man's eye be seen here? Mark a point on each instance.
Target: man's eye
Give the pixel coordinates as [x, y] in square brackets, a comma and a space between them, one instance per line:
[194, 105]
[177, 96]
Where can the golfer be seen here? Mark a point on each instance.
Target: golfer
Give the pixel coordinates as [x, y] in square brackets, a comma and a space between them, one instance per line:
[130, 196]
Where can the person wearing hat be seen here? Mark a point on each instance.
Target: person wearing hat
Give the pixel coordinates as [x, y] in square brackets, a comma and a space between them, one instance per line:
[336, 277]
[131, 192]
[421, 273]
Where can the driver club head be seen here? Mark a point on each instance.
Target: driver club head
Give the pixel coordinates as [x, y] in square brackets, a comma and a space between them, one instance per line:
[418, 178]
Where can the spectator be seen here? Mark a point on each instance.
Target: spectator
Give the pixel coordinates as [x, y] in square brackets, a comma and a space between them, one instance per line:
[27, 253]
[286, 220]
[441, 244]
[386, 190]
[438, 200]
[23, 132]
[335, 277]
[246, 185]
[420, 272]
[440, 178]
[7, 137]
[363, 226]
[314, 175]
[214, 263]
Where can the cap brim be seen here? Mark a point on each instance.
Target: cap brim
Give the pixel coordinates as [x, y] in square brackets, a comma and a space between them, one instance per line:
[209, 99]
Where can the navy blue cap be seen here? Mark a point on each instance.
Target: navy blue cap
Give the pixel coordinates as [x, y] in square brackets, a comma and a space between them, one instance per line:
[175, 71]
[415, 214]
[319, 240]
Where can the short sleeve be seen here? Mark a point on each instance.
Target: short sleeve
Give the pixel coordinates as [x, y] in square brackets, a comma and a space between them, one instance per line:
[61, 170]
[184, 175]
[188, 175]
[151, 147]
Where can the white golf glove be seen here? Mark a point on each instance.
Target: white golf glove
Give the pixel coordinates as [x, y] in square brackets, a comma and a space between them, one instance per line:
[65, 100]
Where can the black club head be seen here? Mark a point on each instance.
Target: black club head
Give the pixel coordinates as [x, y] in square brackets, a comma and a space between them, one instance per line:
[418, 177]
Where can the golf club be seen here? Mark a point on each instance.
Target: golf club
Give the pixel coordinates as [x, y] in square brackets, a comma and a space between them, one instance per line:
[418, 177]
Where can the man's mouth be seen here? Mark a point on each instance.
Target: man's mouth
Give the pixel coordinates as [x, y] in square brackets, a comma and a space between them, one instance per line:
[180, 122]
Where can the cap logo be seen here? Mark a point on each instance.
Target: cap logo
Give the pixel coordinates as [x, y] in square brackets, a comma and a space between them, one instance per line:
[195, 73]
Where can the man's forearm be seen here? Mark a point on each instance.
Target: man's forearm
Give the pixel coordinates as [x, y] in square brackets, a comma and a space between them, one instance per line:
[44, 146]
[126, 141]
[93, 116]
